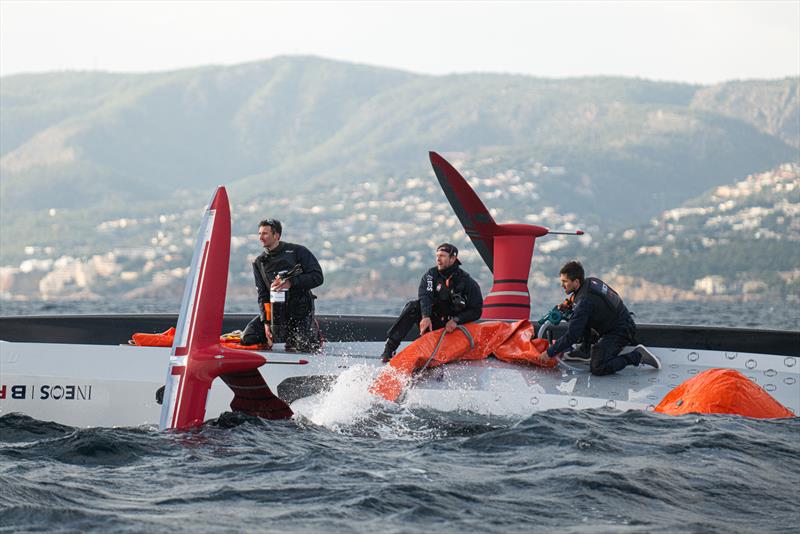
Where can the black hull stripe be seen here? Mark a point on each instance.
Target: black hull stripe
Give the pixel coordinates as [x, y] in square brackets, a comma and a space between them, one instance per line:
[113, 329]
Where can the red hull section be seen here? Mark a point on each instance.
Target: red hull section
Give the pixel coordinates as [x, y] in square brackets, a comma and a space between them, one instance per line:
[197, 356]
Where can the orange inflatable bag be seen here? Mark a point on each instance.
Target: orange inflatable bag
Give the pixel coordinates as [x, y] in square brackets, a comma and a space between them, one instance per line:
[722, 391]
[523, 346]
[510, 342]
[164, 339]
[257, 346]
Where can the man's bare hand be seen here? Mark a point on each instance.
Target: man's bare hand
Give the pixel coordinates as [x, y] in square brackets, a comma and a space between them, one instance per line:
[425, 325]
[450, 326]
[545, 356]
[280, 285]
[268, 335]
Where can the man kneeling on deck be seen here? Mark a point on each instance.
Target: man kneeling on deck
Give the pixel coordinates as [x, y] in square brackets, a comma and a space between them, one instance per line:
[598, 307]
[448, 297]
[285, 274]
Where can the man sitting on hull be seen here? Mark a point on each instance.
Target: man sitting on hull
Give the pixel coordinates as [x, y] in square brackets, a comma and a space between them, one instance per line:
[599, 308]
[448, 297]
[285, 274]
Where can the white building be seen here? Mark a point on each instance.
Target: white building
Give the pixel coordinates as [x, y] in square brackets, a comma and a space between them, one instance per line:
[710, 285]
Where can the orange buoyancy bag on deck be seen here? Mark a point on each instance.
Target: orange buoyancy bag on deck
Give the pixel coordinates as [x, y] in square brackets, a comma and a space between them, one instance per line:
[722, 391]
[235, 345]
[395, 376]
[233, 340]
[164, 339]
[524, 347]
[473, 341]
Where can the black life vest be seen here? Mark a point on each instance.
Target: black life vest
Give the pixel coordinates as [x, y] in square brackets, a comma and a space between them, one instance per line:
[608, 310]
[446, 286]
[270, 264]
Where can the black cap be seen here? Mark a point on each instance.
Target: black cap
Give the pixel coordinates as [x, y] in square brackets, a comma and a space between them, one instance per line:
[450, 249]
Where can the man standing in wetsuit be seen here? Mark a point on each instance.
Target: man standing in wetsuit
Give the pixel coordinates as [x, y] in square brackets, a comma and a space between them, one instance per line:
[599, 308]
[285, 274]
[448, 297]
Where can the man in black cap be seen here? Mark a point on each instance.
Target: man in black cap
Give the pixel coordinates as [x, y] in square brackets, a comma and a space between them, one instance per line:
[448, 297]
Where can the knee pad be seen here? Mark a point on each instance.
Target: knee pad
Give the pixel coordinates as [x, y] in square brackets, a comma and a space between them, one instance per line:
[253, 335]
[597, 363]
[597, 371]
[251, 339]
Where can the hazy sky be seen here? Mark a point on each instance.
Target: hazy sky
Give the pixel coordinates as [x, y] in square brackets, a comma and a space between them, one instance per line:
[699, 42]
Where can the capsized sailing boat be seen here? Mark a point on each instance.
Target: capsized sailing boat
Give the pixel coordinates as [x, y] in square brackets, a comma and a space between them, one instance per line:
[80, 371]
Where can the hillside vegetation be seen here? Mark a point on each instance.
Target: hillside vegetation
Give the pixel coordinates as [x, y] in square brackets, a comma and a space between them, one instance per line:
[89, 139]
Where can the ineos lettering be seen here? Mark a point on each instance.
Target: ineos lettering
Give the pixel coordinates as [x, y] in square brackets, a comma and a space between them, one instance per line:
[70, 392]
[47, 391]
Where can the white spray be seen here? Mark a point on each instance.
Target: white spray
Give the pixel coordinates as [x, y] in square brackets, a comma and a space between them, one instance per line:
[347, 402]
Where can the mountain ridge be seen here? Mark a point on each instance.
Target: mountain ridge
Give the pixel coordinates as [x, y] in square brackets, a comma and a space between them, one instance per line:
[309, 120]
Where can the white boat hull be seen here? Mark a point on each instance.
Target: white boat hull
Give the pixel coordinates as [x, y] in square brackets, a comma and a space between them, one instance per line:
[101, 385]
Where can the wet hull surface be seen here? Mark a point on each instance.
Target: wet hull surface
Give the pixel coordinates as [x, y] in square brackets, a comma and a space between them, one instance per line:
[97, 385]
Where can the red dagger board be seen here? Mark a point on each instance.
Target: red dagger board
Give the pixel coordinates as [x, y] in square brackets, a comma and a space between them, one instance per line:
[197, 358]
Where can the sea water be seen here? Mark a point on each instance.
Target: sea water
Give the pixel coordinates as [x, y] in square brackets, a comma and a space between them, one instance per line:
[350, 463]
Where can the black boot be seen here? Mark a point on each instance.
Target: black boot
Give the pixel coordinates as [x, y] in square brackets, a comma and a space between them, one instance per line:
[389, 350]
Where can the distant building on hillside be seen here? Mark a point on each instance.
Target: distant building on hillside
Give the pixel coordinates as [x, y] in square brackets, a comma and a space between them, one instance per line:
[710, 285]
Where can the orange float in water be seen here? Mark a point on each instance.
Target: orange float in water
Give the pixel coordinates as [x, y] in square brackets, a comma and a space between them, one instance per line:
[510, 342]
[722, 391]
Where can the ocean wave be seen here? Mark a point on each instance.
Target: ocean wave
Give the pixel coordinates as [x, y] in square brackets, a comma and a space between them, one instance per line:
[399, 470]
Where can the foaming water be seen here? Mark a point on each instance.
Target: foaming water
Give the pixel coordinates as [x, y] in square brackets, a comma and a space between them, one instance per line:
[349, 408]
[347, 402]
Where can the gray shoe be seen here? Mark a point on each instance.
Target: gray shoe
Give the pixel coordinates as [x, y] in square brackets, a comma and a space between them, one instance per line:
[648, 358]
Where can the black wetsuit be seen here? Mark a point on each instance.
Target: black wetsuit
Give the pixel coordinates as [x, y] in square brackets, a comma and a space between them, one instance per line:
[443, 295]
[297, 313]
[598, 307]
